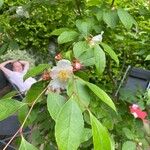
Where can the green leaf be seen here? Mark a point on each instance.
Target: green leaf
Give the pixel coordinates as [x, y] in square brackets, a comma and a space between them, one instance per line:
[93, 2]
[111, 53]
[69, 126]
[54, 104]
[81, 92]
[67, 36]
[83, 27]
[126, 19]
[26, 145]
[110, 18]
[3, 48]
[99, 15]
[10, 95]
[148, 57]
[101, 94]
[13, 45]
[59, 31]
[101, 137]
[100, 59]
[79, 48]
[129, 145]
[87, 134]
[1, 3]
[36, 70]
[9, 107]
[84, 53]
[128, 134]
[22, 113]
[35, 90]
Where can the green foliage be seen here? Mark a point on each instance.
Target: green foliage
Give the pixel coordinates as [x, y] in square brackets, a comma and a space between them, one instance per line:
[126, 18]
[54, 104]
[101, 138]
[35, 91]
[79, 92]
[129, 145]
[13, 106]
[110, 52]
[61, 120]
[26, 145]
[100, 60]
[69, 126]
[36, 70]
[101, 95]
[67, 36]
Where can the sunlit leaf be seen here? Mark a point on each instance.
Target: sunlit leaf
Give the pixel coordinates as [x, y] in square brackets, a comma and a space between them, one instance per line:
[67, 36]
[148, 57]
[102, 95]
[101, 139]
[59, 31]
[69, 126]
[93, 2]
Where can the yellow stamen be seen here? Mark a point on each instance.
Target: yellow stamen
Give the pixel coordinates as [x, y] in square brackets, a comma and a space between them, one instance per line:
[63, 75]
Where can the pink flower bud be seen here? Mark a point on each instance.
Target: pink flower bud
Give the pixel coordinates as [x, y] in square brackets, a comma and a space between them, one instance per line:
[58, 56]
[77, 65]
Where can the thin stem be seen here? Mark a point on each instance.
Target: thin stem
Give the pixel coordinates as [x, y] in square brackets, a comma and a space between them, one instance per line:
[112, 3]
[20, 129]
[78, 7]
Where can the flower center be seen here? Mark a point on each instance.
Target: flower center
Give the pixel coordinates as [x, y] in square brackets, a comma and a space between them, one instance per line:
[63, 75]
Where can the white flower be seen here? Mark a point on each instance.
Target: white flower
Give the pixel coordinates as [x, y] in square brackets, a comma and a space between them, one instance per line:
[21, 12]
[96, 39]
[60, 74]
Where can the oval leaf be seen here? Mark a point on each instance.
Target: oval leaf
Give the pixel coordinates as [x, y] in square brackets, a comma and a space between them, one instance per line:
[59, 31]
[110, 18]
[9, 107]
[100, 59]
[83, 27]
[111, 53]
[126, 19]
[101, 137]
[54, 104]
[67, 36]
[81, 96]
[79, 48]
[35, 90]
[1, 3]
[129, 145]
[26, 145]
[36, 70]
[148, 57]
[69, 126]
[101, 94]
